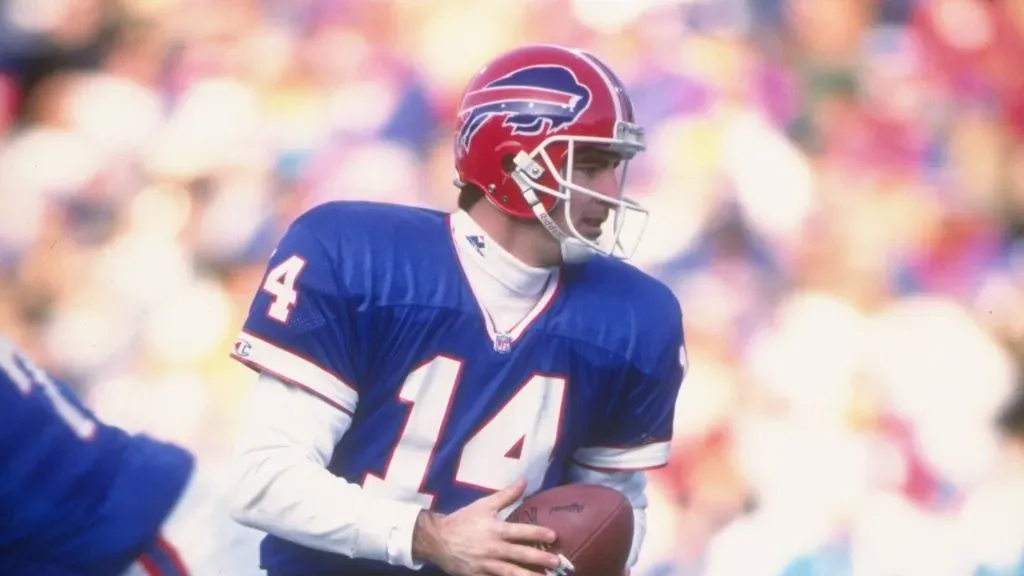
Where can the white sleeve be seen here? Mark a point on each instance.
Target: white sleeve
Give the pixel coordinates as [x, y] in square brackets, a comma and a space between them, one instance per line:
[632, 485]
[280, 483]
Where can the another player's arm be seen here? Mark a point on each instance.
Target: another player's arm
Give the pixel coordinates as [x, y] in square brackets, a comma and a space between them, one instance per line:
[302, 405]
[638, 437]
[48, 432]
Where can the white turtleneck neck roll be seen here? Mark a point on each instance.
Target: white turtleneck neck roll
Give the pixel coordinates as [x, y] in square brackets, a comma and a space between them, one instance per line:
[509, 291]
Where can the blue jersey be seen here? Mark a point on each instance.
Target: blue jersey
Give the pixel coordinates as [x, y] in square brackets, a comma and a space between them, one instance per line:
[366, 306]
[76, 496]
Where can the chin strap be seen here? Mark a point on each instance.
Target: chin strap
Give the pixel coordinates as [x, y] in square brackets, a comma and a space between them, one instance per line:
[573, 249]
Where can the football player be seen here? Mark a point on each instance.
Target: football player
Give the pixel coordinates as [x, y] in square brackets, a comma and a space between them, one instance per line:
[78, 497]
[421, 372]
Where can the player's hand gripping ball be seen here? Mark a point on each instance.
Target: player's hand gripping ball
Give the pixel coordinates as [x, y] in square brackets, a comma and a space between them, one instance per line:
[594, 525]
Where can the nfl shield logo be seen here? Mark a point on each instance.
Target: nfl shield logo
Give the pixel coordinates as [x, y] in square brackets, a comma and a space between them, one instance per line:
[502, 343]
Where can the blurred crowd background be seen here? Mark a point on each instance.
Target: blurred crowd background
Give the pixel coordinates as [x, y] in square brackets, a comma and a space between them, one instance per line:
[837, 196]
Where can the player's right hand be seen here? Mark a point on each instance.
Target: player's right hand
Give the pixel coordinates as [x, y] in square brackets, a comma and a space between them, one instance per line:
[474, 541]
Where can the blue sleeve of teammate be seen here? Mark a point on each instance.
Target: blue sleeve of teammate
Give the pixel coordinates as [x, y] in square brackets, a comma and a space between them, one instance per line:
[75, 494]
[639, 432]
[299, 326]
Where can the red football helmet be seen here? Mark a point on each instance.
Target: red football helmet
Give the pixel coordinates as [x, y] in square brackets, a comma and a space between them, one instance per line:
[519, 123]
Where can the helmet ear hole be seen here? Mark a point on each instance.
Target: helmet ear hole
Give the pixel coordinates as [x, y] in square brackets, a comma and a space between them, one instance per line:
[508, 163]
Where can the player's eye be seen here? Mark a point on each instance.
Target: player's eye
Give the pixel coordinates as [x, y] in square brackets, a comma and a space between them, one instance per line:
[590, 170]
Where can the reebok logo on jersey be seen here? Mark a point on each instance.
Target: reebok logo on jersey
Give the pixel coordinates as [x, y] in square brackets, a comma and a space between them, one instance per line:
[477, 242]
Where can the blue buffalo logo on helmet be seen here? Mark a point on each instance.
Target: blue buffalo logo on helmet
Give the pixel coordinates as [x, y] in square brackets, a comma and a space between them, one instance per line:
[530, 99]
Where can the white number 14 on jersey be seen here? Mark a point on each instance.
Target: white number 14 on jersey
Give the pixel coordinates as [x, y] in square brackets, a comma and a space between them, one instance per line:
[517, 440]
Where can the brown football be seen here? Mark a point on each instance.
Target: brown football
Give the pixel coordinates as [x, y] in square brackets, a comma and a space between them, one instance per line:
[594, 526]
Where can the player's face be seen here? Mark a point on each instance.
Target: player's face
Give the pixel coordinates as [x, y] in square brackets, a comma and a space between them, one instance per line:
[597, 170]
